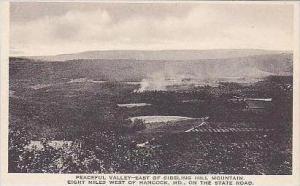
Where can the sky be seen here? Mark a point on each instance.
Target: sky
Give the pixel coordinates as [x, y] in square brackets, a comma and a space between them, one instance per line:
[40, 28]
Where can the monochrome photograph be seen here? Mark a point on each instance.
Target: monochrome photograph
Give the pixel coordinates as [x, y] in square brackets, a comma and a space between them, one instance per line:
[151, 88]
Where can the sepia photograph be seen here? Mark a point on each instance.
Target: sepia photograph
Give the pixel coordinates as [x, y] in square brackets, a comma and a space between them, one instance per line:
[151, 88]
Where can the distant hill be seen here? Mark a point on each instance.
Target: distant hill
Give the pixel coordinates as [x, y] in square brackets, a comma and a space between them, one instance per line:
[156, 64]
[172, 55]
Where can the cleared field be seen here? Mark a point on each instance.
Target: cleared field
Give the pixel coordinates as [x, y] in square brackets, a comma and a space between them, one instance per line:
[159, 119]
[132, 105]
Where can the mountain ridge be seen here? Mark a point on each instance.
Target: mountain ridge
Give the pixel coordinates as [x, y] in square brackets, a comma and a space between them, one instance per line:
[170, 55]
[128, 69]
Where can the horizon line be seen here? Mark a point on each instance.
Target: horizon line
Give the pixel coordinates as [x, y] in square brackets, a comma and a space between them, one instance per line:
[153, 50]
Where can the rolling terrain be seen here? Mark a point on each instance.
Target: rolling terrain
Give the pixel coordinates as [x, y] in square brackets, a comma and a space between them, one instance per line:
[152, 112]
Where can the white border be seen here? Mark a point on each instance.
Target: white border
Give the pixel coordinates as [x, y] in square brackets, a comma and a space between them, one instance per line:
[14, 179]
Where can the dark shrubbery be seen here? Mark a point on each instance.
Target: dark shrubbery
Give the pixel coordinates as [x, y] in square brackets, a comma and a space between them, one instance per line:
[138, 124]
[98, 152]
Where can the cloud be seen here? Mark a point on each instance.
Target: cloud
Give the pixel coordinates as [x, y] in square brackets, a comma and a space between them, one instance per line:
[201, 27]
